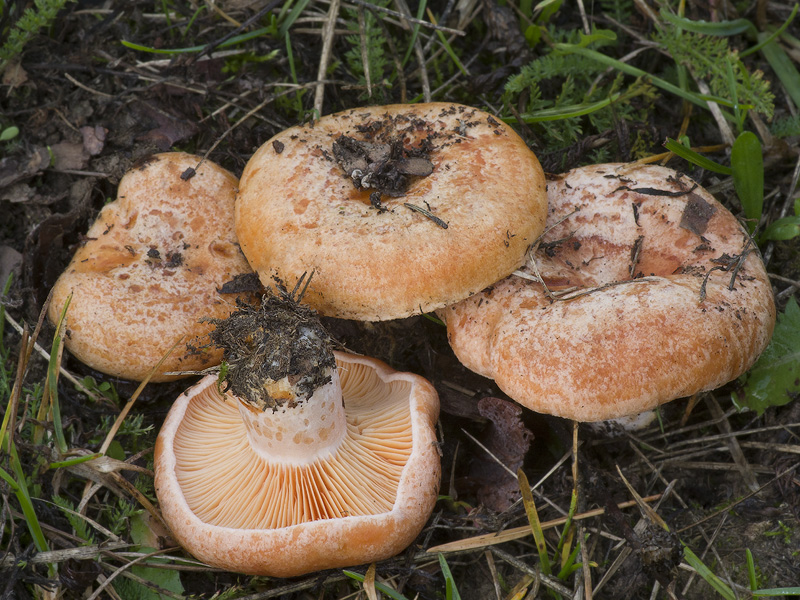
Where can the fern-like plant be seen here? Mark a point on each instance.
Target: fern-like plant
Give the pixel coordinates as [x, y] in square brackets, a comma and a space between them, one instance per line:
[373, 50]
[711, 59]
[568, 84]
[32, 20]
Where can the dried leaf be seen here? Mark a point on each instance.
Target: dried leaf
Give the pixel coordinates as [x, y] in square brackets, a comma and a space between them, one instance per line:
[17, 168]
[69, 156]
[507, 439]
[168, 130]
[94, 138]
[697, 214]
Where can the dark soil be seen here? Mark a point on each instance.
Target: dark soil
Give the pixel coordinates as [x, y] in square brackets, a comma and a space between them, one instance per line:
[88, 108]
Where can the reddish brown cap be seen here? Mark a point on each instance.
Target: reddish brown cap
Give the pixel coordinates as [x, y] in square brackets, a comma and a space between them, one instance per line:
[151, 268]
[347, 476]
[656, 293]
[459, 199]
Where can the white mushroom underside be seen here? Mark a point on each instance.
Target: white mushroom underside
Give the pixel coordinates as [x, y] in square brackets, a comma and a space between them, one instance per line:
[361, 478]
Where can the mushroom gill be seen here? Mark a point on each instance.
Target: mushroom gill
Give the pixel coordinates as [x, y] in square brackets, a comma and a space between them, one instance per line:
[359, 476]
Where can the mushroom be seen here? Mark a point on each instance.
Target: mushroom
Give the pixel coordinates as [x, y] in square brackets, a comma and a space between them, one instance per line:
[643, 289]
[313, 459]
[152, 266]
[396, 209]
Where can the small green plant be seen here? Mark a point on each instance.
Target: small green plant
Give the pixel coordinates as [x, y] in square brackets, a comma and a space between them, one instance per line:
[41, 15]
[9, 133]
[558, 93]
[104, 389]
[710, 58]
[783, 531]
[774, 380]
[79, 525]
[366, 57]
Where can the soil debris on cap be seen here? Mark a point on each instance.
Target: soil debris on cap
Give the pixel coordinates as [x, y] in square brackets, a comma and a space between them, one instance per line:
[280, 339]
[386, 166]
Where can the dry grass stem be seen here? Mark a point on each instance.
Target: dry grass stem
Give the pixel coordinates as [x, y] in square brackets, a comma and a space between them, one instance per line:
[516, 533]
[325, 56]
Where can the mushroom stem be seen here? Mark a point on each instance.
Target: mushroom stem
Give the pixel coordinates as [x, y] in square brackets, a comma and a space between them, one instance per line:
[298, 431]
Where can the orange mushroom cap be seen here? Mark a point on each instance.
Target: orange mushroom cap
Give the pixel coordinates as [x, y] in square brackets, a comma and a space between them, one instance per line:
[396, 209]
[347, 476]
[152, 267]
[653, 292]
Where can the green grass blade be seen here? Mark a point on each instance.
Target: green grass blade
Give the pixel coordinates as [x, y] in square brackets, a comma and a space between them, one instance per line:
[415, 31]
[722, 28]
[722, 588]
[298, 97]
[783, 67]
[789, 591]
[383, 589]
[535, 523]
[565, 112]
[52, 378]
[6, 289]
[768, 39]
[696, 158]
[24, 498]
[751, 569]
[191, 21]
[447, 47]
[296, 11]
[747, 162]
[451, 591]
[237, 39]
[74, 461]
[631, 70]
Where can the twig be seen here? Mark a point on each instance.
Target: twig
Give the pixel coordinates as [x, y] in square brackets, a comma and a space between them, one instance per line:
[328, 30]
[516, 533]
[210, 47]
[407, 17]
[724, 128]
[46, 355]
[56, 556]
[362, 34]
[108, 580]
[86, 88]
[249, 114]
[426, 213]
[582, 9]
[740, 500]
[126, 409]
[606, 286]
[548, 581]
[423, 73]
[733, 445]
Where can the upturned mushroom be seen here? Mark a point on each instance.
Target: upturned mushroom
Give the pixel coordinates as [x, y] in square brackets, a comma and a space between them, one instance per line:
[397, 209]
[313, 459]
[643, 289]
[153, 265]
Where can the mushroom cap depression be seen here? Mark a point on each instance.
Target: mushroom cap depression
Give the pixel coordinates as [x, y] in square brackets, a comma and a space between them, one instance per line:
[658, 293]
[151, 268]
[396, 209]
[237, 508]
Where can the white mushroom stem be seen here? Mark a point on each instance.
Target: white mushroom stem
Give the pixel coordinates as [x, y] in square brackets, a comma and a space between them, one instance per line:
[300, 430]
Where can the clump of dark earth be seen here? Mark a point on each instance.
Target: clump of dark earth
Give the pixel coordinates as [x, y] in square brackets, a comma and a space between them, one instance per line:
[388, 168]
[280, 338]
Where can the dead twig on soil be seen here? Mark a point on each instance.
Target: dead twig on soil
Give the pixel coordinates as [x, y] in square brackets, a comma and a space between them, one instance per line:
[325, 56]
[516, 533]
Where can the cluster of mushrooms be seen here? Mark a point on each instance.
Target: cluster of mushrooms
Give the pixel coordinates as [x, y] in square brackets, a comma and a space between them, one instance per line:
[591, 295]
